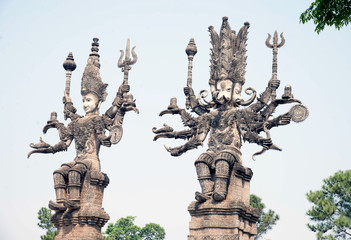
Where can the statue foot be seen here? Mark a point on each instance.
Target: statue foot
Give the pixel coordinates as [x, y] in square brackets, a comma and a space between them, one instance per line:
[57, 206]
[219, 196]
[200, 197]
[73, 205]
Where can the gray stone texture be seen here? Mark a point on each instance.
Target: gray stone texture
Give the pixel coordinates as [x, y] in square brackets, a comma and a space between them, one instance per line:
[232, 218]
[80, 184]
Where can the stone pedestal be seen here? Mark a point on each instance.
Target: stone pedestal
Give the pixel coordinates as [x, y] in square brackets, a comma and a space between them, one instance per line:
[231, 219]
[86, 222]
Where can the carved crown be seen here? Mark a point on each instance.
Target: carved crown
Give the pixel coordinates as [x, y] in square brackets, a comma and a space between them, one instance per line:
[228, 53]
[91, 80]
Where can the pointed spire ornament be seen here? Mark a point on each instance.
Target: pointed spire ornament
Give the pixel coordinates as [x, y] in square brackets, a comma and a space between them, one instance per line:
[91, 80]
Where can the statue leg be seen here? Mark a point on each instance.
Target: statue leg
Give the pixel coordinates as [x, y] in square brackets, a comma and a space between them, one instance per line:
[75, 176]
[60, 189]
[222, 175]
[204, 177]
[74, 186]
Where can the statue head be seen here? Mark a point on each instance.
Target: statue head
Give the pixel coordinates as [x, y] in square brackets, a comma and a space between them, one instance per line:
[227, 91]
[91, 103]
[224, 89]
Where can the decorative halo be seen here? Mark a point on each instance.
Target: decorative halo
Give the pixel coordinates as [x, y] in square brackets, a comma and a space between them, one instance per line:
[298, 113]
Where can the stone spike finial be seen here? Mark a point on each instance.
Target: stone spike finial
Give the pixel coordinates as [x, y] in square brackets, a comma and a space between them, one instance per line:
[69, 64]
[191, 49]
[95, 47]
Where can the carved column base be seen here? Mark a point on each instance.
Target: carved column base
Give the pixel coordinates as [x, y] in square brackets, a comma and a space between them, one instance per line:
[231, 219]
[79, 232]
[86, 222]
[225, 220]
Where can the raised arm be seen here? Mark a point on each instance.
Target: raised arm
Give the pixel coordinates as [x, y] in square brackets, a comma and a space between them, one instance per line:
[69, 110]
[263, 99]
[118, 101]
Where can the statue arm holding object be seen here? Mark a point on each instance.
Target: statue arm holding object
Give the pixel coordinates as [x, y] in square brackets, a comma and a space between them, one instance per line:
[69, 109]
[46, 148]
[273, 84]
[192, 101]
[253, 137]
[281, 120]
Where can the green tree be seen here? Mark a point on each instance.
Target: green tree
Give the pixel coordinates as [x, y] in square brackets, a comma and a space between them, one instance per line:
[153, 231]
[328, 12]
[125, 229]
[44, 216]
[267, 219]
[331, 210]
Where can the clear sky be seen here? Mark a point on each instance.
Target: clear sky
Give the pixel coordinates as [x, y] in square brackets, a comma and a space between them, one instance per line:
[35, 38]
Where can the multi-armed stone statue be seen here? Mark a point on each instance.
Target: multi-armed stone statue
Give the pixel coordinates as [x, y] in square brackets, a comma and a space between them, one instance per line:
[79, 184]
[222, 210]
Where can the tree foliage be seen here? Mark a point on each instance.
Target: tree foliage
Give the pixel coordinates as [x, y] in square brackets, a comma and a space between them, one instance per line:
[328, 12]
[44, 215]
[331, 210]
[267, 219]
[125, 229]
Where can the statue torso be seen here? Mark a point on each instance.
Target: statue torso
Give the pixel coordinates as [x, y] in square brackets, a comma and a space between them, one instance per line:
[84, 131]
[224, 131]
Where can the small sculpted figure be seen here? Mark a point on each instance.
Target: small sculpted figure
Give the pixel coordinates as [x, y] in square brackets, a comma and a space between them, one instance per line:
[89, 131]
[222, 118]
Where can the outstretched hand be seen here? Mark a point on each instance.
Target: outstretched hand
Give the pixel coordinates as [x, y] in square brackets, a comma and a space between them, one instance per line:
[124, 88]
[175, 152]
[41, 147]
[266, 143]
[188, 91]
[284, 119]
[66, 98]
[106, 141]
[274, 83]
[41, 144]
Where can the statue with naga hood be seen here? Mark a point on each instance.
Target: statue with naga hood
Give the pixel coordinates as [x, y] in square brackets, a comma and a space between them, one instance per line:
[227, 117]
[89, 134]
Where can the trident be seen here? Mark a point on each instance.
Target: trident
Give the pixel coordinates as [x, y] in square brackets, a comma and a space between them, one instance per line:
[275, 47]
[127, 62]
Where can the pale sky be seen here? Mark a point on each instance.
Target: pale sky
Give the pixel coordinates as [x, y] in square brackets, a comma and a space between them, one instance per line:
[35, 38]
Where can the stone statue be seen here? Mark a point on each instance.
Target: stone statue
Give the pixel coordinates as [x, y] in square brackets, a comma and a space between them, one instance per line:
[88, 133]
[228, 120]
[222, 117]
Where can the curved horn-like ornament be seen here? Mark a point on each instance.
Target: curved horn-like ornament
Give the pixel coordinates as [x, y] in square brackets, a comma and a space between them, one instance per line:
[203, 94]
[252, 98]
[120, 63]
[267, 41]
[282, 42]
[135, 57]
